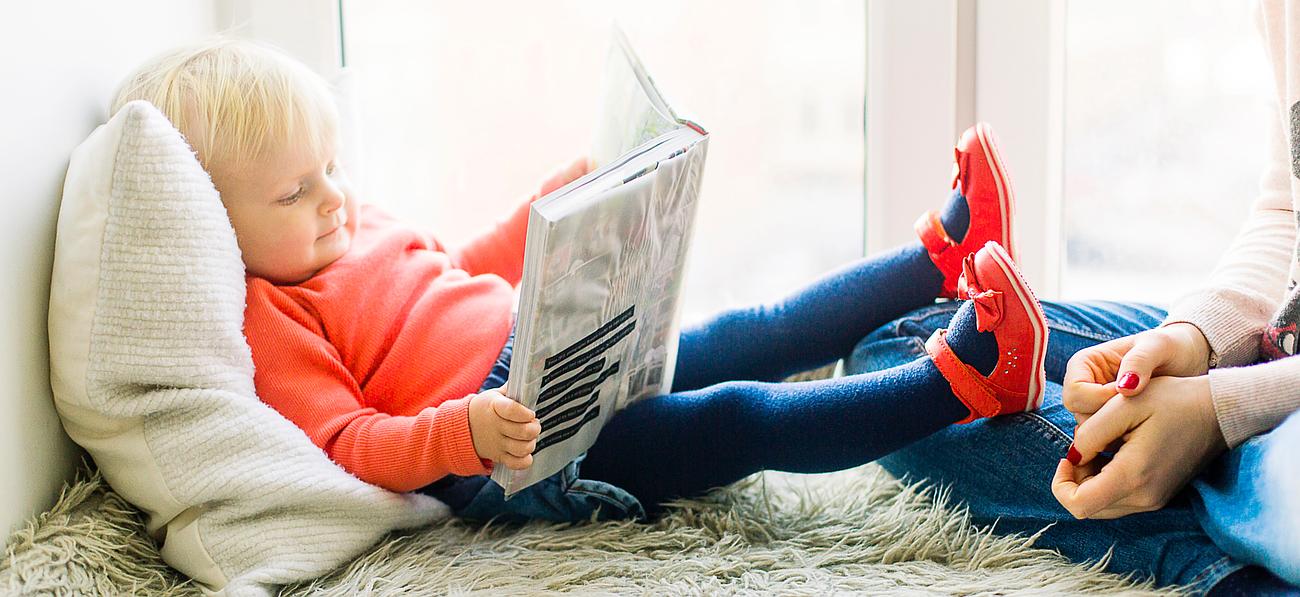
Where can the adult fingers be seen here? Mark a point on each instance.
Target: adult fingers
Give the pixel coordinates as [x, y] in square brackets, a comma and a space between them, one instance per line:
[522, 431]
[1119, 489]
[511, 411]
[1151, 351]
[1082, 398]
[1089, 374]
[1065, 483]
[1108, 425]
[1090, 489]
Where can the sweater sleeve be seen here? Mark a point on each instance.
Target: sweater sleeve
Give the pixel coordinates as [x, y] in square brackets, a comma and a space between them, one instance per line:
[302, 376]
[498, 251]
[1251, 400]
[1250, 280]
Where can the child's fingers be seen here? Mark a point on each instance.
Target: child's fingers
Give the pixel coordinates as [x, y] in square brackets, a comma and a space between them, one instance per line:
[522, 431]
[566, 174]
[518, 448]
[510, 410]
[516, 463]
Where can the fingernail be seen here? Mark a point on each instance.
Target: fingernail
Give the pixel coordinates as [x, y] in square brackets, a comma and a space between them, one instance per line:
[1073, 455]
[1128, 381]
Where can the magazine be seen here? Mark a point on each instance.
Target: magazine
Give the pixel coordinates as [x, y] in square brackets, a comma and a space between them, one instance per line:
[603, 272]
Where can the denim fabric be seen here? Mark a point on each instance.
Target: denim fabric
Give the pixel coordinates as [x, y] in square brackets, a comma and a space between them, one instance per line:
[1002, 468]
[562, 497]
[1247, 501]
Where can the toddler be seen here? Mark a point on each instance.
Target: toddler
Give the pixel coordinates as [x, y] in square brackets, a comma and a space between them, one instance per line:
[390, 349]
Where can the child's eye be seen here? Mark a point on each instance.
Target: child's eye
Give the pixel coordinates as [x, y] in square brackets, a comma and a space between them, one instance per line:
[291, 199]
[329, 169]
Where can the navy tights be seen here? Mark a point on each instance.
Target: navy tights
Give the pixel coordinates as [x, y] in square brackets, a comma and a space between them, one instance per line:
[729, 416]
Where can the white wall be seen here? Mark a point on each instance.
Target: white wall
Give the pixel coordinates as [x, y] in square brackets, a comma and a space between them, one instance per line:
[59, 63]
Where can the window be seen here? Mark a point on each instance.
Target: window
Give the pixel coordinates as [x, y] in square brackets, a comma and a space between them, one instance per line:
[464, 111]
[1165, 104]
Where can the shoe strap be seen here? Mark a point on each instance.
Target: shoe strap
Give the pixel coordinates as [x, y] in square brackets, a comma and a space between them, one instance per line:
[968, 385]
[933, 236]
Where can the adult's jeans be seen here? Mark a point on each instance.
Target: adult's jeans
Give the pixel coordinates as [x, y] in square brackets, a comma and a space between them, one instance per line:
[1002, 468]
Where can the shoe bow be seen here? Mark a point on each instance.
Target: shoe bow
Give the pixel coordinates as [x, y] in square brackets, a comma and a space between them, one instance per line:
[988, 310]
[988, 303]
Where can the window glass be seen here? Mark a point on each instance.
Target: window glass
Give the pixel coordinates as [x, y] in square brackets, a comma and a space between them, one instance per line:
[1165, 109]
[466, 106]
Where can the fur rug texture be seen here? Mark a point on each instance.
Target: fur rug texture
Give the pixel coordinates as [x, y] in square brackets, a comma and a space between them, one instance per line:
[854, 532]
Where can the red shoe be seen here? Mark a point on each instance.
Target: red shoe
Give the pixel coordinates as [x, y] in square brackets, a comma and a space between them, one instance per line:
[980, 177]
[1006, 306]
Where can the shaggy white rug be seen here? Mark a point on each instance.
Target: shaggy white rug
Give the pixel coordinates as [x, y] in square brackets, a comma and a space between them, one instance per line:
[854, 532]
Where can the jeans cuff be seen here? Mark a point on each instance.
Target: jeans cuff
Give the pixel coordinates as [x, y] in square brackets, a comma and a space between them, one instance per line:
[1213, 575]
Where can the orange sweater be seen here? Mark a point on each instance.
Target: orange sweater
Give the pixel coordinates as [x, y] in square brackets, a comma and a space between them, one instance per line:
[376, 355]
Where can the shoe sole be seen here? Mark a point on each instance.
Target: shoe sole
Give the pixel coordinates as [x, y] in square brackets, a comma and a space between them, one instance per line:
[1006, 198]
[1037, 377]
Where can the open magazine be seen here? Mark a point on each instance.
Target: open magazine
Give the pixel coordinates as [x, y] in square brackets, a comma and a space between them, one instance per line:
[603, 271]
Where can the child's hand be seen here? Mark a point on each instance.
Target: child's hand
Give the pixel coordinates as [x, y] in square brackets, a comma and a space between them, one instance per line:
[566, 174]
[503, 430]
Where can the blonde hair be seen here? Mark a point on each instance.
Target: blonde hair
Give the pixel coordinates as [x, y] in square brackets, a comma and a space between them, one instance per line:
[236, 101]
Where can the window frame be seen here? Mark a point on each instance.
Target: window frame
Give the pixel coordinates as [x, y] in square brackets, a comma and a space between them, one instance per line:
[1001, 61]
[933, 68]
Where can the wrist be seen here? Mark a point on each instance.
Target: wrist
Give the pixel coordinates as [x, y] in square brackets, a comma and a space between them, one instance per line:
[1193, 346]
[1202, 395]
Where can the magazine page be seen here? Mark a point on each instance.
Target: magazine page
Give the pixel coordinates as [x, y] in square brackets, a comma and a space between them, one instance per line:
[632, 111]
[603, 295]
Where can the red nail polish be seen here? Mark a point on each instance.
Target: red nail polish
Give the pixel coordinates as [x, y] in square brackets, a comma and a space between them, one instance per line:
[1128, 381]
[1073, 455]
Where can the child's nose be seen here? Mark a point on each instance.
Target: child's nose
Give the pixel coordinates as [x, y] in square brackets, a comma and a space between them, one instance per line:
[334, 199]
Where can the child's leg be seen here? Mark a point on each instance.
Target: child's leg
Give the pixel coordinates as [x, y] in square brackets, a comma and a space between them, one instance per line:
[686, 443]
[812, 327]
[988, 361]
[823, 321]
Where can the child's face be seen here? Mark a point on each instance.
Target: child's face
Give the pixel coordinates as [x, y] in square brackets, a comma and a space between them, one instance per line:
[293, 213]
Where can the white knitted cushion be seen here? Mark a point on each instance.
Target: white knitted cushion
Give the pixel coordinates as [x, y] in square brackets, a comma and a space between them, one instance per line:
[152, 375]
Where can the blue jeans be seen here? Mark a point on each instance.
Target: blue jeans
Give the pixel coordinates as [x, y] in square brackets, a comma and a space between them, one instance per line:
[1002, 468]
[1246, 501]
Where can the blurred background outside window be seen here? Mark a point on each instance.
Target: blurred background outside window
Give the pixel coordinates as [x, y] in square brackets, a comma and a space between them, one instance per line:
[464, 112]
[1165, 107]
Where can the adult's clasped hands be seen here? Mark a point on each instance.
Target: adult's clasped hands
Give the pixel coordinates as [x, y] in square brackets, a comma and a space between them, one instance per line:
[1146, 399]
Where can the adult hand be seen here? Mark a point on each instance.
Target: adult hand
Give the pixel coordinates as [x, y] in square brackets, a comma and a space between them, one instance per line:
[1125, 365]
[1169, 433]
[503, 430]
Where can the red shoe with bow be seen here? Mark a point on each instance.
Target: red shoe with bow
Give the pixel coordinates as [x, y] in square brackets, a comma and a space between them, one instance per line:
[980, 177]
[1006, 306]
